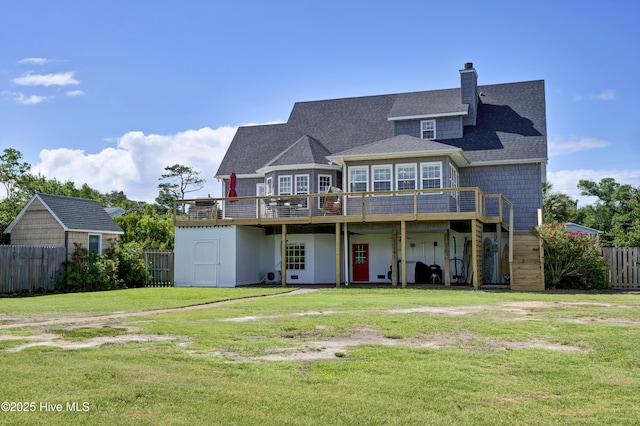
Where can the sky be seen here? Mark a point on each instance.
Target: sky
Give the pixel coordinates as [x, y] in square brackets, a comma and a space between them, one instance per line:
[111, 93]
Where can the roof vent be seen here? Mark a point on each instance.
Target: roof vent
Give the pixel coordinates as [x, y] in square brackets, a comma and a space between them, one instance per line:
[468, 65]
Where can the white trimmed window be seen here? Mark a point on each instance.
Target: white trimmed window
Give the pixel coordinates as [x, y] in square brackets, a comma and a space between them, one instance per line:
[302, 188]
[295, 256]
[454, 178]
[268, 186]
[381, 178]
[406, 176]
[324, 183]
[358, 178]
[285, 185]
[428, 129]
[95, 243]
[431, 175]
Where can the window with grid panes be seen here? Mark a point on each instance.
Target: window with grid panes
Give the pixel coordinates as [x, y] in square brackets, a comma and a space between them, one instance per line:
[358, 179]
[431, 175]
[295, 256]
[405, 176]
[381, 178]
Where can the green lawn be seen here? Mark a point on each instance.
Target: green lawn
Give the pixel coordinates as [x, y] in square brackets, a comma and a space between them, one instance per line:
[332, 357]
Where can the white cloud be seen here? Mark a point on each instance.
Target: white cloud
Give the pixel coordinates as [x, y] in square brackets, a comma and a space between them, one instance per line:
[35, 61]
[563, 147]
[57, 79]
[75, 93]
[606, 95]
[21, 98]
[566, 181]
[138, 160]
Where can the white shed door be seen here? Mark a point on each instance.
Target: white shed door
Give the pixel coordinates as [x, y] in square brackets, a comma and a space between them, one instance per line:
[205, 263]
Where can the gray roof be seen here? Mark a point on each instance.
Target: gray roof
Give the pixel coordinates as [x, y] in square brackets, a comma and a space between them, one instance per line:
[306, 150]
[75, 214]
[511, 125]
[396, 145]
[429, 103]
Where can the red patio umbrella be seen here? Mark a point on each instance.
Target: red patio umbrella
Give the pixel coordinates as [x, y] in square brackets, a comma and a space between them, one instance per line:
[232, 187]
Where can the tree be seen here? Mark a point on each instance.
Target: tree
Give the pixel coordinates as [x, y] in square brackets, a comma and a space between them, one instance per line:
[615, 212]
[557, 207]
[11, 169]
[179, 180]
[151, 230]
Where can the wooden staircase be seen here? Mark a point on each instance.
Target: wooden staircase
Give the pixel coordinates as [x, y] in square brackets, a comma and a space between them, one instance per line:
[527, 272]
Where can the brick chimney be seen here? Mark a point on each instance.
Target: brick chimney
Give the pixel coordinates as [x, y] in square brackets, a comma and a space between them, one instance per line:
[469, 92]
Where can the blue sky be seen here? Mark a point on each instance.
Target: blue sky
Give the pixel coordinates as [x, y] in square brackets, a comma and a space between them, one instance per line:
[109, 93]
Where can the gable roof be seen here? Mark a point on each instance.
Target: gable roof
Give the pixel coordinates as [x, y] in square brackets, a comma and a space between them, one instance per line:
[306, 150]
[510, 125]
[401, 146]
[74, 214]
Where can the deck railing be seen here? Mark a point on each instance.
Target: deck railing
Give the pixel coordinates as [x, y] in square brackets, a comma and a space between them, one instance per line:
[422, 204]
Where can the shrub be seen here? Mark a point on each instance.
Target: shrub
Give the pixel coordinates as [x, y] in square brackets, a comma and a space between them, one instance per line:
[571, 259]
[118, 267]
[132, 270]
[85, 271]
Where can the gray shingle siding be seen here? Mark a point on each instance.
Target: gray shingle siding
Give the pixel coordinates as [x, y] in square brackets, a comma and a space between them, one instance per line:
[469, 87]
[446, 128]
[521, 184]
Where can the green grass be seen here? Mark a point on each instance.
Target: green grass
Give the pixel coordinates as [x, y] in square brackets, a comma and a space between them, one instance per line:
[486, 371]
[130, 300]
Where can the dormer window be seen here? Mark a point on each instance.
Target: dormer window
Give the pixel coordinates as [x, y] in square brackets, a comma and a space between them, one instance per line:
[428, 129]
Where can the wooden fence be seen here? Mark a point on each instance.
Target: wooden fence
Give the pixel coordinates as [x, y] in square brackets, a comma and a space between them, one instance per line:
[24, 268]
[160, 264]
[624, 266]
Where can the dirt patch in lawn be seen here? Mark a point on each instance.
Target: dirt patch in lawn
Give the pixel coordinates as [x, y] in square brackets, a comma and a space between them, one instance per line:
[521, 309]
[56, 341]
[97, 318]
[340, 347]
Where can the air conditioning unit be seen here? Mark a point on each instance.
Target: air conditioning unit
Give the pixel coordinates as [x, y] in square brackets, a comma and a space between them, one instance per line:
[274, 277]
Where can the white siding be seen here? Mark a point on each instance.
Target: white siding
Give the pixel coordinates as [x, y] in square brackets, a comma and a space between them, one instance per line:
[250, 244]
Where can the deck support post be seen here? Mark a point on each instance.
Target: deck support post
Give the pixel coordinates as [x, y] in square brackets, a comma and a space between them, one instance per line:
[499, 252]
[346, 254]
[475, 251]
[337, 254]
[447, 257]
[283, 255]
[394, 258]
[403, 242]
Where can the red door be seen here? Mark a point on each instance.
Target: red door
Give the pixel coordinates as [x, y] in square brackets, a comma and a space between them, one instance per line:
[360, 262]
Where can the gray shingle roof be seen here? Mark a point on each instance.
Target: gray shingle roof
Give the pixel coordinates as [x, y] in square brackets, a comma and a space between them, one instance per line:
[511, 125]
[79, 214]
[397, 144]
[306, 150]
[429, 103]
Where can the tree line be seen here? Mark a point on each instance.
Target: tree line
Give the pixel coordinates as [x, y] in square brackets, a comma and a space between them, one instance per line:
[615, 212]
[149, 224]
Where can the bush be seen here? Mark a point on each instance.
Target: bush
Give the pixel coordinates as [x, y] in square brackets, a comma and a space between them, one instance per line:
[119, 267]
[132, 270]
[86, 271]
[571, 259]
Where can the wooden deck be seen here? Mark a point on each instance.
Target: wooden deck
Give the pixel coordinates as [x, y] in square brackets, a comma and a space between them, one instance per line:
[392, 206]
